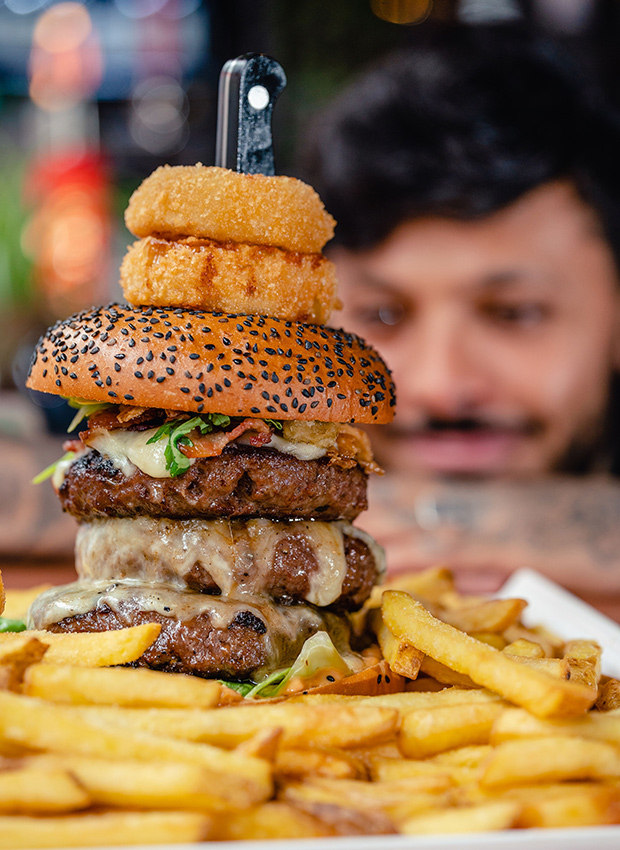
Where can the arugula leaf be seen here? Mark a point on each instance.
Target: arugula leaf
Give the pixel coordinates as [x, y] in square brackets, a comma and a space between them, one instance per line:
[9, 625]
[270, 686]
[176, 433]
[242, 688]
[51, 469]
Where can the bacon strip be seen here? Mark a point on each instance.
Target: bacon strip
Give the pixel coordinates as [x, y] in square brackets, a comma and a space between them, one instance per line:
[212, 445]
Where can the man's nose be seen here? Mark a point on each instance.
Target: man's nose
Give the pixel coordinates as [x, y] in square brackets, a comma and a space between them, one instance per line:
[439, 371]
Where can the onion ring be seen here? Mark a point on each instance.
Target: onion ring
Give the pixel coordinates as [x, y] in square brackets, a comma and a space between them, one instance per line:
[215, 203]
[231, 277]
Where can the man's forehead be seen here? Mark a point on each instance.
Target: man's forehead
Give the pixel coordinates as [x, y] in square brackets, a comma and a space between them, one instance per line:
[499, 250]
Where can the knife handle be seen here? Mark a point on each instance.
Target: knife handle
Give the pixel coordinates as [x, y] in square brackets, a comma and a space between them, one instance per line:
[248, 88]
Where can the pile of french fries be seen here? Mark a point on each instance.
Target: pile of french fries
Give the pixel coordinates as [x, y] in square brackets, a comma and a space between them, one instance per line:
[480, 724]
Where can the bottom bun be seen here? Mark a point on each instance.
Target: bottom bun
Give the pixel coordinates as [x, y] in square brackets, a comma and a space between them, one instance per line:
[200, 634]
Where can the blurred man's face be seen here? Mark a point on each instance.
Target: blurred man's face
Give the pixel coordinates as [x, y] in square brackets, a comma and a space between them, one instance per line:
[502, 335]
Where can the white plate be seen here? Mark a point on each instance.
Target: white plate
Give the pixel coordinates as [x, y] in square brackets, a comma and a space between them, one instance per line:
[565, 615]
[599, 837]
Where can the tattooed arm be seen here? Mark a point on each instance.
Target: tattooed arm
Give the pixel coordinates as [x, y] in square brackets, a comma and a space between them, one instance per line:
[566, 528]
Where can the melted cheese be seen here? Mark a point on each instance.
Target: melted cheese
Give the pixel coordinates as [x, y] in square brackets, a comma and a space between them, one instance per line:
[128, 449]
[238, 554]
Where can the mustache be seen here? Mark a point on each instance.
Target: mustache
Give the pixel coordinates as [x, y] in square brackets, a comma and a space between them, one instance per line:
[468, 424]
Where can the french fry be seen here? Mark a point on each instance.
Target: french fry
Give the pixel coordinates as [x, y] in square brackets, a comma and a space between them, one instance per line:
[444, 674]
[534, 690]
[516, 723]
[262, 745]
[558, 668]
[296, 764]
[122, 755]
[16, 658]
[608, 698]
[40, 789]
[426, 732]
[486, 817]
[491, 615]
[431, 585]
[335, 817]
[394, 769]
[525, 648]
[119, 686]
[268, 821]
[401, 656]
[65, 729]
[92, 649]
[539, 760]
[583, 658]
[351, 724]
[566, 805]
[492, 638]
[395, 800]
[129, 783]
[111, 829]
[471, 756]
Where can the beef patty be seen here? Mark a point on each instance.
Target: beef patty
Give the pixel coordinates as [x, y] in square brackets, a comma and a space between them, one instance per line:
[329, 564]
[241, 482]
[205, 636]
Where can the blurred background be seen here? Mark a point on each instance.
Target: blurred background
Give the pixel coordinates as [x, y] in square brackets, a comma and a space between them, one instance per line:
[94, 95]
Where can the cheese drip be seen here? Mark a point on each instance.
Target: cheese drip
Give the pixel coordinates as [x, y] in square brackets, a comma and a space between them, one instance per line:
[130, 449]
[287, 627]
[237, 554]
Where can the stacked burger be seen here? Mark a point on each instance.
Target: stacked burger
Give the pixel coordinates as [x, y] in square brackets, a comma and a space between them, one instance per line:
[218, 469]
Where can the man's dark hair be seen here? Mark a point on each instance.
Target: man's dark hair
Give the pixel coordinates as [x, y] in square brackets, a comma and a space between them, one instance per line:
[460, 126]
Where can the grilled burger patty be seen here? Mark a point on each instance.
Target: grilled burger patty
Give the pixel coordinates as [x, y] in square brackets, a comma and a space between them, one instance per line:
[327, 564]
[241, 482]
[200, 634]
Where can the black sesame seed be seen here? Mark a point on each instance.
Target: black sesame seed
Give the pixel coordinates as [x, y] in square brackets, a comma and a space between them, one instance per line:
[138, 374]
[194, 356]
[169, 370]
[150, 374]
[185, 389]
[117, 367]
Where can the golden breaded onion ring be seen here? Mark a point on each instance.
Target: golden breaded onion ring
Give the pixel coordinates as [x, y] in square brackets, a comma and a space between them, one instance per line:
[231, 277]
[215, 203]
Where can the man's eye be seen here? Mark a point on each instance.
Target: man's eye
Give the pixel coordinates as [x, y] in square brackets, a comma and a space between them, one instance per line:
[383, 315]
[525, 314]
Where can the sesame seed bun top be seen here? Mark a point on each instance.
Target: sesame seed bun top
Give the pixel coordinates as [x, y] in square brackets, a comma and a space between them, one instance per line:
[205, 362]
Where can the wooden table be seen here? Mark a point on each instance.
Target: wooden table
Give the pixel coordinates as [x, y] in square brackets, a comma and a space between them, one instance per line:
[27, 572]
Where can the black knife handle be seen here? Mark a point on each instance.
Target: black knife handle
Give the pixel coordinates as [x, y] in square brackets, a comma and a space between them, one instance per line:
[248, 88]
